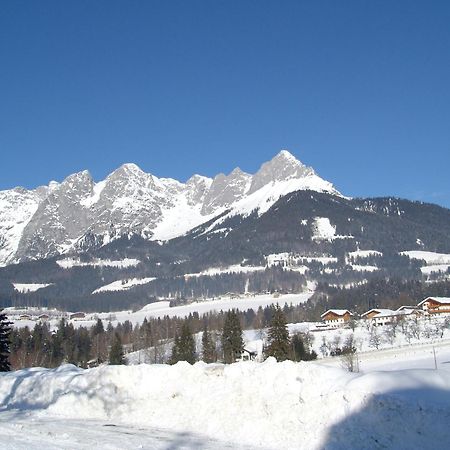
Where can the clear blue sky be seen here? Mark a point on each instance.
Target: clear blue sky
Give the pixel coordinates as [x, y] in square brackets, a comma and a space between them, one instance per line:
[360, 90]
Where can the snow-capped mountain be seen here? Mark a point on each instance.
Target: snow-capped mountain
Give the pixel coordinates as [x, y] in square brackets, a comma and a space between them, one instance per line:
[78, 213]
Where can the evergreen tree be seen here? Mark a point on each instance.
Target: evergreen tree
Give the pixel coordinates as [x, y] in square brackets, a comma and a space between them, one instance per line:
[278, 336]
[98, 344]
[5, 330]
[184, 346]
[98, 328]
[300, 348]
[209, 350]
[116, 355]
[232, 343]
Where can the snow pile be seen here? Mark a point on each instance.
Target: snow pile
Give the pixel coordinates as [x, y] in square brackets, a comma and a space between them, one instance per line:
[275, 405]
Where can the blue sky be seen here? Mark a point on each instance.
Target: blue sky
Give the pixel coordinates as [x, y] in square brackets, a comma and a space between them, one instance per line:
[357, 89]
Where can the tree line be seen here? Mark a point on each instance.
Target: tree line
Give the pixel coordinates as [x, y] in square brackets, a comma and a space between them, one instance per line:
[166, 340]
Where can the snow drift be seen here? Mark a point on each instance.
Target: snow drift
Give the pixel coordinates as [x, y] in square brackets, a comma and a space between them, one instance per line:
[273, 405]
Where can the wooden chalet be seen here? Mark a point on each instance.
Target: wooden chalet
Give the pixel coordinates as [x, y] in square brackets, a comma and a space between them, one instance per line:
[382, 316]
[336, 318]
[435, 305]
[77, 316]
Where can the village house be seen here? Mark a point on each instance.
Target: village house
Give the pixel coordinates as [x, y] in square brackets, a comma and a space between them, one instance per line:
[383, 316]
[253, 351]
[435, 305]
[77, 316]
[336, 318]
[25, 317]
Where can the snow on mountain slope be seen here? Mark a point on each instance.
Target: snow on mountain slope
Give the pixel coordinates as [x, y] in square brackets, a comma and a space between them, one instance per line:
[68, 263]
[267, 405]
[431, 258]
[17, 207]
[30, 287]
[78, 212]
[123, 285]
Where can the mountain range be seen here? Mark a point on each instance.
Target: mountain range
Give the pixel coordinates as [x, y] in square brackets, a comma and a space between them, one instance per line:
[62, 217]
[133, 238]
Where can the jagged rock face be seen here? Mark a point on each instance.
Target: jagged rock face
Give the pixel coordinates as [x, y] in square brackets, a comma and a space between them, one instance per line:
[130, 200]
[197, 189]
[226, 190]
[283, 167]
[58, 220]
[79, 213]
[17, 207]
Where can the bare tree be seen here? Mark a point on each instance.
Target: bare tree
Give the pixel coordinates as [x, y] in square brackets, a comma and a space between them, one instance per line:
[374, 339]
[389, 334]
[349, 357]
[324, 347]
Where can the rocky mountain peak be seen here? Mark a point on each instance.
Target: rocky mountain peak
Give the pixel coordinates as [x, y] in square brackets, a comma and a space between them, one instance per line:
[129, 200]
[283, 166]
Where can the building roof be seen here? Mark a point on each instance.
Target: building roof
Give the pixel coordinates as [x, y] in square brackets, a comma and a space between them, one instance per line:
[338, 312]
[445, 300]
[380, 311]
[406, 307]
[402, 311]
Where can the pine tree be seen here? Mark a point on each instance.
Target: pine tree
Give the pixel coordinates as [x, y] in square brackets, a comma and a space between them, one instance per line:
[116, 355]
[301, 349]
[278, 336]
[232, 343]
[184, 346]
[209, 350]
[5, 330]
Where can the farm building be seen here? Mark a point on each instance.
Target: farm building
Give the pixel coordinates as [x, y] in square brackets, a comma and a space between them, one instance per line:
[381, 316]
[336, 318]
[435, 305]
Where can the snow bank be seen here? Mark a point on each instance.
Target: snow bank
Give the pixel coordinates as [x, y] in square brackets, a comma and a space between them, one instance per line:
[275, 405]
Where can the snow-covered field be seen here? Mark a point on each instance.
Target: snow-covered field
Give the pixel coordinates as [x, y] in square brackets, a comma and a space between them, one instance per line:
[435, 262]
[68, 263]
[245, 405]
[29, 287]
[162, 308]
[123, 285]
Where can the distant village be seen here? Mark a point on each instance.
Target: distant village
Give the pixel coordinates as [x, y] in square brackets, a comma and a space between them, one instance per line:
[330, 319]
[338, 318]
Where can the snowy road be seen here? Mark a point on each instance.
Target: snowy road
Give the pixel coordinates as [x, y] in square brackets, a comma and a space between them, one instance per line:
[26, 431]
[416, 356]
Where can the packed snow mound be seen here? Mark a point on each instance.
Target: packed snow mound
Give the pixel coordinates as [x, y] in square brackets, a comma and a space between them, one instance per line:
[273, 405]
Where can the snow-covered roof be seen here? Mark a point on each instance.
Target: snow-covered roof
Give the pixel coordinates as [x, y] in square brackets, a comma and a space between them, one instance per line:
[406, 307]
[445, 300]
[380, 311]
[402, 311]
[338, 312]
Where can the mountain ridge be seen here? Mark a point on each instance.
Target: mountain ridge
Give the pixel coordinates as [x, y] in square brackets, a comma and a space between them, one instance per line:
[53, 219]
